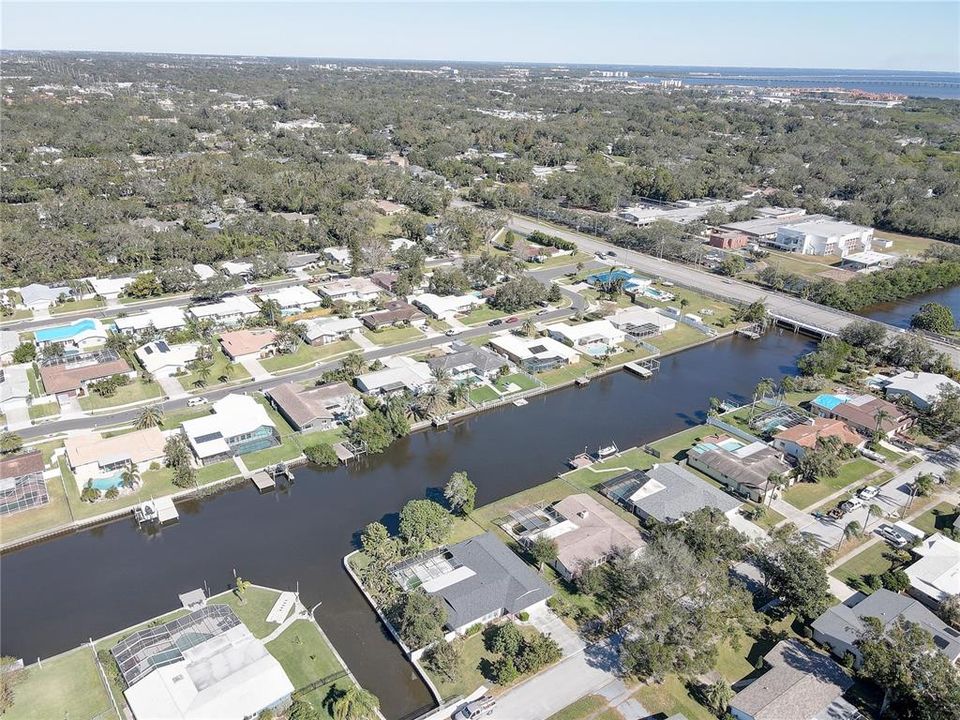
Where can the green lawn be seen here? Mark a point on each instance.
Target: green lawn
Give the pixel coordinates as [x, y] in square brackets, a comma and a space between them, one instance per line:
[286, 451]
[589, 477]
[36, 389]
[674, 447]
[671, 697]
[565, 374]
[135, 391]
[176, 418]
[524, 381]
[472, 654]
[253, 610]
[480, 315]
[27, 522]
[872, 561]
[581, 709]
[936, 519]
[67, 686]
[77, 305]
[482, 394]
[307, 354]
[803, 495]
[681, 336]
[392, 335]
[222, 368]
[44, 410]
[438, 325]
[304, 654]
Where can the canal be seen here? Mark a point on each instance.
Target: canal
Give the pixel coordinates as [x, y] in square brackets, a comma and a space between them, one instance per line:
[899, 313]
[60, 593]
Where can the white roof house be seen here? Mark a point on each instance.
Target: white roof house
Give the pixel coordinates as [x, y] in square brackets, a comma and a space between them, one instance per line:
[318, 331]
[401, 243]
[9, 341]
[443, 307]
[535, 354]
[589, 333]
[922, 388]
[161, 318]
[15, 387]
[293, 299]
[638, 317]
[233, 416]
[339, 255]
[109, 288]
[824, 237]
[936, 575]
[236, 269]
[229, 310]
[229, 675]
[160, 359]
[400, 373]
[351, 290]
[204, 272]
[39, 297]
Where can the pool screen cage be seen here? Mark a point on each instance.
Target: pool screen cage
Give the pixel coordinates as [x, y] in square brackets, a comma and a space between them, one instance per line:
[95, 357]
[26, 492]
[781, 417]
[411, 574]
[141, 653]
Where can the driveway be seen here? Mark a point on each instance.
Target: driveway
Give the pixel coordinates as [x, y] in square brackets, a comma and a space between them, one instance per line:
[171, 386]
[546, 621]
[256, 370]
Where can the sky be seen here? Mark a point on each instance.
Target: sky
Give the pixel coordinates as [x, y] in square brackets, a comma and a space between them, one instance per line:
[858, 35]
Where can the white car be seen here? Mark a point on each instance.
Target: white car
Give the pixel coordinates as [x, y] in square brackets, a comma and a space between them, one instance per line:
[194, 402]
[868, 493]
[476, 709]
[852, 504]
[892, 536]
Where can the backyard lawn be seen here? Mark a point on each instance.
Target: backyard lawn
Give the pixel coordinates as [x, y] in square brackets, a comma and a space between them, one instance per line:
[472, 654]
[35, 387]
[483, 394]
[26, 522]
[66, 686]
[565, 374]
[681, 336]
[306, 354]
[392, 335]
[134, 391]
[522, 380]
[803, 495]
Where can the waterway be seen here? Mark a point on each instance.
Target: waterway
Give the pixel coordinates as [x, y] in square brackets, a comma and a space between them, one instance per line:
[899, 313]
[60, 593]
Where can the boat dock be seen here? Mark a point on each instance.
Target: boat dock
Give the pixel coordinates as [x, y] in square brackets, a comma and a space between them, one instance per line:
[638, 369]
[263, 481]
[161, 510]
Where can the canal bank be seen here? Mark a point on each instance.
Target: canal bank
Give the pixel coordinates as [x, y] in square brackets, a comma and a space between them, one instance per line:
[59, 593]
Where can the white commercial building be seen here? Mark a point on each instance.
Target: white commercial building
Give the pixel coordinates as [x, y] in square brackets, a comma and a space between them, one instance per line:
[824, 237]
[230, 310]
[401, 373]
[588, 335]
[109, 288]
[922, 388]
[320, 331]
[936, 575]
[160, 319]
[162, 360]
[444, 307]
[293, 299]
[350, 290]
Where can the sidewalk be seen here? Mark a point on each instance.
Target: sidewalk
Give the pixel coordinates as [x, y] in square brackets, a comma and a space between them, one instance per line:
[257, 371]
[363, 341]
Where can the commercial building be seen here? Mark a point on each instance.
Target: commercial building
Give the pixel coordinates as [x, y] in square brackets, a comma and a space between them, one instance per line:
[935, 575]
[728, 239]
[101, 460]
[840, 626]
[745, 468]
[294, 299]
[317, 408]
[71, 376]
[395, 312]
[666, 493]
[160, 319]
[868, 260]
[534, 354]
[595, 337]
[163, 360]
[923, 389]
[446, 306]
[237, 425]
[467, 362]
[350, 290]
[231, 310]
[22, 486]
[796, 440]
[399, 374]
[240, 345]
[202, 666]
[324, 330]
[477, 580]
[823, 237]
[800, 684]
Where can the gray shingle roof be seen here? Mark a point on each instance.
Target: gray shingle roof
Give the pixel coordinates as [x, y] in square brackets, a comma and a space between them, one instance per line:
[485, 361]
[500, 580]
[844, 624]
[682, 493]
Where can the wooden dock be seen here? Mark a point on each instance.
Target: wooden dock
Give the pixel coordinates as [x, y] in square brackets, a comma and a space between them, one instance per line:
[263, 481]
[638, 369]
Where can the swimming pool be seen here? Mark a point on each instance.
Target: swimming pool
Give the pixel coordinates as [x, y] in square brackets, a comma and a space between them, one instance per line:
[65, 332]
[597, 349]
[108, 481]
[829, 401]
[659, 295]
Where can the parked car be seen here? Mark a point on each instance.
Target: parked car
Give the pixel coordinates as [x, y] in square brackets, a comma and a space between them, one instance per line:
[868, 493]
[194, 402]
[494, 323]
[253, 290]
[852, 504]
[611, 253]
[892, 536]
[476, 709]
[450, 333]
[543, 312]
[512, 319]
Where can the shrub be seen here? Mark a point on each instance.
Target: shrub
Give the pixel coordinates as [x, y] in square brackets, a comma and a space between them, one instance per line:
[524, 616]
[322, 454]
[474, 629]
[90, 494]
[111, 493]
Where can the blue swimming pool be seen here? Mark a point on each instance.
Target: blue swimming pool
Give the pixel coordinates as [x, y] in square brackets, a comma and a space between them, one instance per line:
[829, 401]
[108, 481]
[598, 349]
[610, 276]
[65, 332]
[658, 294]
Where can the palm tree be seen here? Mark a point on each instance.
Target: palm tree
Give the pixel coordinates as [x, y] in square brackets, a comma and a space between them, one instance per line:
[872, 511]
[718, 697]
[149, 417]
[353, 364]
[130, 476]
[528, 328]
[851, 530]
[459, 394]
[271, 311]
[763, 388]
[880, 416]
[441, 377]
[356, 704]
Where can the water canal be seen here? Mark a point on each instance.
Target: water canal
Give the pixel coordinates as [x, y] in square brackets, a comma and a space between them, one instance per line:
[60, 593]
[899, 313]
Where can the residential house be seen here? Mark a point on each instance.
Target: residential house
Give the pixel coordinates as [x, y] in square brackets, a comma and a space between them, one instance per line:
[745, 468]
[240, 345]
[468, 362]
[389, 208]
[41, 297]
[204, 272]
[595, 338]
[316, 408]
[386, 280]
[293, 261]
[640, 322]
[163, 360]
[825, 236]
[294, 299]
[237, 425]
[861, 412]
[9, 342]
[337, 255]
[401, 243]
[477, 580]
[71, 376]
[79, 335]
[100, 460]
[395, 312]
[324, 330]
[231, 310]
[585, 531]
[110, 288]
[21, 482]
[800, 684]
[350, 290]
[534, 354]
[162, 319]
[446, 306]
[935, 575]
[923, 389]
[204, 665]
[796, 440]
[14, 387]
[840, 626]
[666, 493]
[242, 270]
[400, 374]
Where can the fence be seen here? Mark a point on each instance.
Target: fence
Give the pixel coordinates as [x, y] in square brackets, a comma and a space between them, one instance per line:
[732, 430]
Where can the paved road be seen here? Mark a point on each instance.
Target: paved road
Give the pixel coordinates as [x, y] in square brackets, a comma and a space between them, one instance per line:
[129, 415]
[786, 306]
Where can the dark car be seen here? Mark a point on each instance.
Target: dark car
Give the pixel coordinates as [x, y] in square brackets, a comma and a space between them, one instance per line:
[252, 290]
[611, 253]
[494, 323]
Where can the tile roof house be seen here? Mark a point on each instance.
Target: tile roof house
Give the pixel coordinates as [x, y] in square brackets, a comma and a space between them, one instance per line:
[395, 312]
[666, 493]
[72, 378]
[240, 345]
[796, 440]
[321, 407]
[840, 626]
[466, 361]
[861, 412]
[801, 684]
[92, 456]
[742, 467]
[936, 574]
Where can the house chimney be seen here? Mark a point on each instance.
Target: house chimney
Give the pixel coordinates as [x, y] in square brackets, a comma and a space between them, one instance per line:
[583, 514]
